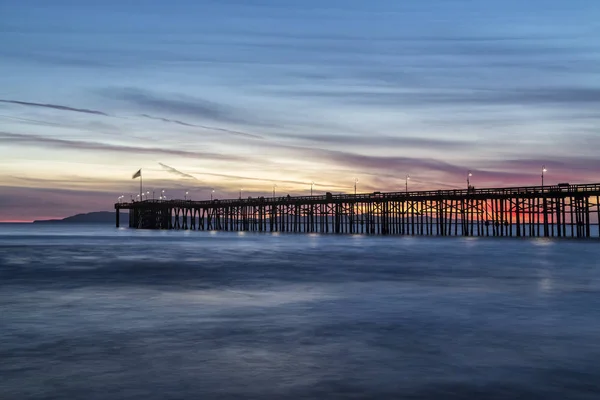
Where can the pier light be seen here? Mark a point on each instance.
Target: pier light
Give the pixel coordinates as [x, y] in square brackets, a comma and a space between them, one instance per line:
[211, 194]
[406, 182]
[311, 187]
[185, 196]
[274, 187]
[355, 182]
[543, 170]
[469, 175]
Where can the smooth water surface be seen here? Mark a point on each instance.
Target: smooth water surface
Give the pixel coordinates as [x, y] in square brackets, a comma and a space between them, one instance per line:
[100, 313]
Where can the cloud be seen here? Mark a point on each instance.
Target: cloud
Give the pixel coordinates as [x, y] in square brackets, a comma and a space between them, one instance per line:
[246, 178]
[79, 126]
[55, 107]
[31, 121]
[556, 164]
[177, 104]
[564, 96]
[177, 172]
[366, 163]
[386, 141]
[97, 112]
[510, 171]
[212, 128]
[81, 58]
[36, 140]
[400, 164]
[167, 120]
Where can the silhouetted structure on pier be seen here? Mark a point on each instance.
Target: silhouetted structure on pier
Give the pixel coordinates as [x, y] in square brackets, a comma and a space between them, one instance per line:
[541, 211]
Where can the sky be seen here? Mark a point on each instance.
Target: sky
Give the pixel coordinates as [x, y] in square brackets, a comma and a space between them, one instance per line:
[257, 95]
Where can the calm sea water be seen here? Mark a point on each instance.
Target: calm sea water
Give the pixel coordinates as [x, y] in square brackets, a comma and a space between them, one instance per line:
[100, 313]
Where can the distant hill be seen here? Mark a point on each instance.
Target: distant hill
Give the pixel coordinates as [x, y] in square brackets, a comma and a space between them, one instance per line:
[99, 217]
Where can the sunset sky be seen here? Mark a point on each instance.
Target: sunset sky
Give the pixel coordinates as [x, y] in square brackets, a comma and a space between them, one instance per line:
[228, 94]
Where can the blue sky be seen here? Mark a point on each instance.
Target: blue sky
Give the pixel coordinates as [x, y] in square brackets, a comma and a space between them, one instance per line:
[251, 94]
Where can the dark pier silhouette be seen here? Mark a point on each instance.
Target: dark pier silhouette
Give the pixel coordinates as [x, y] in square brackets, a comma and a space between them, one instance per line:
[561, 210]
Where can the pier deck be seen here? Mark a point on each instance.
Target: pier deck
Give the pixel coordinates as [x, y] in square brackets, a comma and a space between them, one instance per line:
[534, 211]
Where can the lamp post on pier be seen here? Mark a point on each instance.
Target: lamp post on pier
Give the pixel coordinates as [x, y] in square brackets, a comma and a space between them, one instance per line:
[211, 194]
[311, 188]
[355, 182]
[543, 170]
[406, 183]
[185, 196]
[274, 186]
[469, 175]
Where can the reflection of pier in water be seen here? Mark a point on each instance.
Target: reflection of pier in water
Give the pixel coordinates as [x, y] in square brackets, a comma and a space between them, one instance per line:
[540, 211]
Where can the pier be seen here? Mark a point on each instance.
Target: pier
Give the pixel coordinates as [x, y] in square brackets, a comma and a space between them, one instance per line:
[562, 210]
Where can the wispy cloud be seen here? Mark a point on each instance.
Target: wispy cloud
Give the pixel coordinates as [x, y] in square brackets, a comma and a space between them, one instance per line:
[383, 163]
[174, 121]
[414, 98]
[31, 121]
[212, 128]
[381, 141]
[36, 140]
[54, 106]
[97, 112]
[177, 172]
[557, 164]
[266, 180]
[177, 104]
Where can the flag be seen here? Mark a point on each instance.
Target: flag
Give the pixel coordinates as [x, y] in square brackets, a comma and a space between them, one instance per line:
[137, 174]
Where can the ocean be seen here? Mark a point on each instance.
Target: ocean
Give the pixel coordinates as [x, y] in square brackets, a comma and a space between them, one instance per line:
[94, 312]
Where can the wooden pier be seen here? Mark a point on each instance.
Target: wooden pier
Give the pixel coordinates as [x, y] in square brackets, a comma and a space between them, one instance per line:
[536, 211]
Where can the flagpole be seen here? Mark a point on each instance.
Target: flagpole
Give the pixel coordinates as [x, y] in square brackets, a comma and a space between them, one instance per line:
[141, 189]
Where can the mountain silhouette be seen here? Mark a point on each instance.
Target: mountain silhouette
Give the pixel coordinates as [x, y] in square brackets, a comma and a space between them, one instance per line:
[98, 217]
